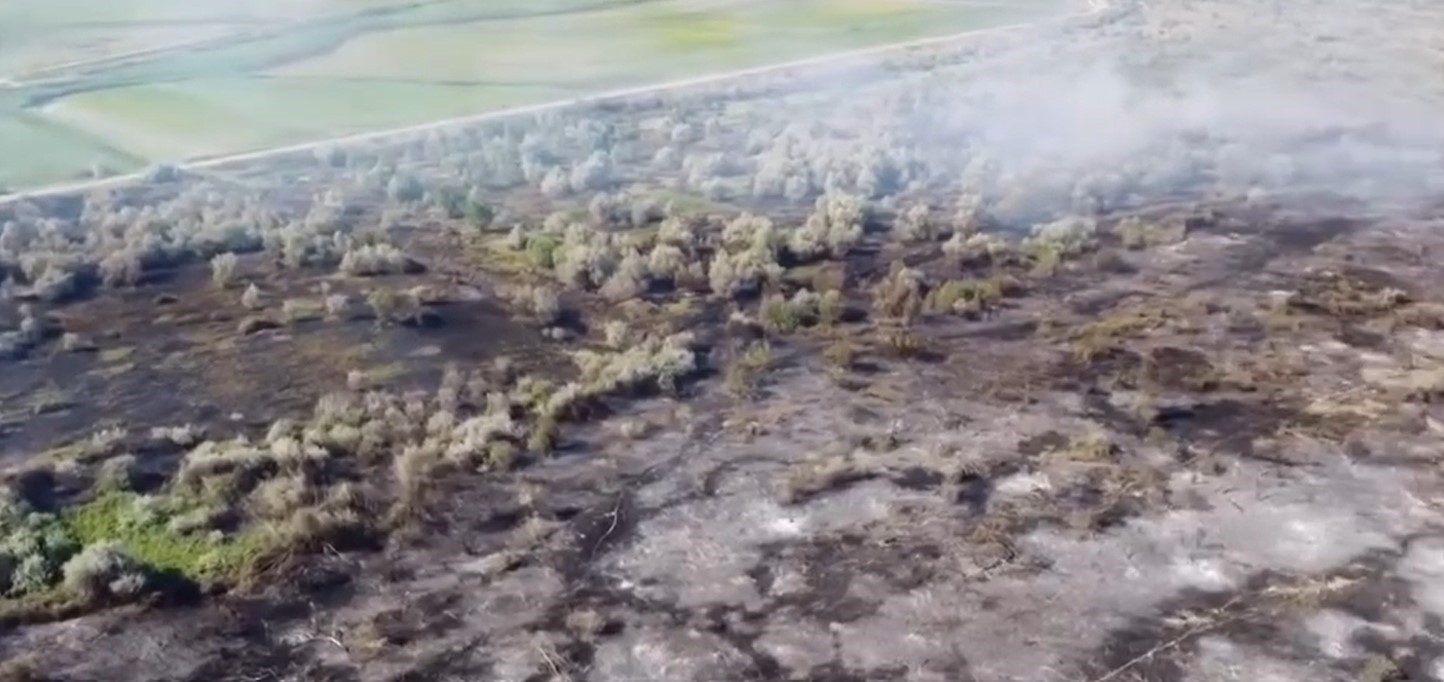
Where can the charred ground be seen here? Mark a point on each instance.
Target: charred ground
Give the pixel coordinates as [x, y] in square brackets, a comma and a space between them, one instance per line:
[835, 375]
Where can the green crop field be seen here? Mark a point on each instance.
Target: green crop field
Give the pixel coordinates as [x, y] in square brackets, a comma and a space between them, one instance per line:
[36, 35]
[33, 147]
[123, 83]
[214, 116]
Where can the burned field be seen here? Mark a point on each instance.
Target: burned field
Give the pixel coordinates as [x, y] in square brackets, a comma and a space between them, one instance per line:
[832, 375]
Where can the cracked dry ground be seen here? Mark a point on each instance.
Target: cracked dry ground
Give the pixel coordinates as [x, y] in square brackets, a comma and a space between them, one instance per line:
[1216, 460]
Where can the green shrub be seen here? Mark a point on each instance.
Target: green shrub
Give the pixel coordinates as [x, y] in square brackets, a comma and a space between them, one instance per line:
[961, 296]
[544, 434]
[781, 315]
[33, 549]
[34, 575]
[778, 315]
[541, 250]
[830, 307]
[745, 373]
[501, 455]
[479, 214]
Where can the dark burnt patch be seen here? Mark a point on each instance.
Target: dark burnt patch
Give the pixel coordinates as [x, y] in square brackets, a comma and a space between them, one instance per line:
[713, 479]
[605, 526]
[1226, 425]
[831, 565]
[1095, 305]
[1112, 366]
[1306, 235]
[1174, 368]
[1009, 331]
[1041, 443]
[428, 615]
[1359, 337]
[1373, 278]
[917, 478]
[465, 513]
[241, 634]
[974, 493]
[836, 672]
[465, 661]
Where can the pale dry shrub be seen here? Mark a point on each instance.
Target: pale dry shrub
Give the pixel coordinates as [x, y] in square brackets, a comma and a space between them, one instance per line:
[104, 570]
[915, 226]
[251, 298]
[616, 333]
[184, 435]
[731, 274]
[666, 262]
[629, 281]
[223, 269]
[374, 259]
[832, 229]
[678, 232]
[122, 268]
[337, 306]
[537, 301]
[279, 497]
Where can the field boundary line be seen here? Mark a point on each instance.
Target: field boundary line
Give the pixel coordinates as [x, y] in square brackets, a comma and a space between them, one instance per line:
[620, 94]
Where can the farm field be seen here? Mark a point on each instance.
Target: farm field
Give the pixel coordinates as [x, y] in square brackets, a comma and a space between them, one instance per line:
[37, 35]
[208, 117]
[37, 147]
[627, 46]
[272, 74]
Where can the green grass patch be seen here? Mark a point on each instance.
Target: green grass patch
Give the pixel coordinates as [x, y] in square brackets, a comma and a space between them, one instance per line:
[61, 453]
[113, 371]
[49, 399]
[206, 559]
[504, 11]
[40, 14]
[639, 44]
[674, 29]
[495, 256]
[644, 236]
[116, 354]
[683, 203]
[483, 53]
[387, 373]
[34, 151]
[210, 117]
[36, 547]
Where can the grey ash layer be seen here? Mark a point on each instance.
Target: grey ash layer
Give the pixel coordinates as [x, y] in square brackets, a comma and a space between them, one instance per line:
[1211, 456]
